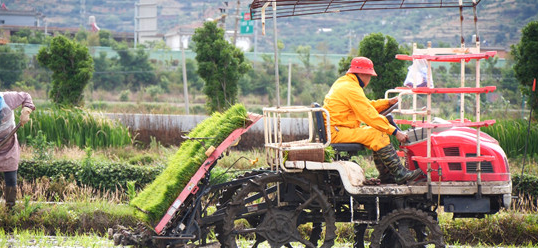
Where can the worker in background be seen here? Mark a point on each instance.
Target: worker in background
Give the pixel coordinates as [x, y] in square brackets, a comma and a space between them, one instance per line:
[348, 107]
[10, 150]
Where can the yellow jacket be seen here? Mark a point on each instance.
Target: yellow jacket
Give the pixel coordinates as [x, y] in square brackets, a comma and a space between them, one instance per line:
[348, 106]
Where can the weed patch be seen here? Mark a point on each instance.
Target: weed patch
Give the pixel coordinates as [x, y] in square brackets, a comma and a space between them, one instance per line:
[505, 228]
[66, 219]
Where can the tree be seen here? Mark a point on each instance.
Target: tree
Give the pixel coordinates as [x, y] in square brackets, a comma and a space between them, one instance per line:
[105, 76]
[140, 72]
[26, 35]
[81, 35]
[382, 51]
[220, 65]
[303, 52]
[72, 68]
[12, 65]
[526, 62]
[105, 38]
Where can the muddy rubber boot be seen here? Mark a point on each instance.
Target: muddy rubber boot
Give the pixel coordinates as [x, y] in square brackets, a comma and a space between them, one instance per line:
[401, 174]
[11, 195]
[384, 174]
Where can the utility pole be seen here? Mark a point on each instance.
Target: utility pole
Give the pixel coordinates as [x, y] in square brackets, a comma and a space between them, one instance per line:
[236, 21]
[185, 88]
[349, 40]
[256, 39]
[136, 25]
[83, 14]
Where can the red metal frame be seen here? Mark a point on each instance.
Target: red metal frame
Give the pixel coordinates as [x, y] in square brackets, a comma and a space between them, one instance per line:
[454, 123]
[452, 159]
[448, 58]
[192, 186]
[426, 90]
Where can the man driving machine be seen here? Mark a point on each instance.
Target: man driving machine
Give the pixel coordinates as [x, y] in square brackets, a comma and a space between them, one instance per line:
[348, 107]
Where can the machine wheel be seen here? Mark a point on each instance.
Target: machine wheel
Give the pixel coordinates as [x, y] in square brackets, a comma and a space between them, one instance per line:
[278, 223]
[406, 228]
[226, 196]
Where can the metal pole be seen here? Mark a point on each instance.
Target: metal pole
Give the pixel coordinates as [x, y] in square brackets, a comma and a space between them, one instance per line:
[526, 143]
[236, 22]
[462, 40]
[528, 132]
[289, 82]
[256, 39]
[349, 40]
[462, 67]
[478, 154]
[185, 90]
[289, 85]
[277, 80]
[135, 24]
[477, 40]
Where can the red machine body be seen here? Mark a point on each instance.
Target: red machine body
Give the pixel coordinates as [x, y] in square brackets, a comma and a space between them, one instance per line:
[452, 149]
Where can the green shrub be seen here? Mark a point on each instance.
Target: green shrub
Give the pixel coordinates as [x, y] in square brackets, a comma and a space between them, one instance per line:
[154, 91]
[43, 149]
[75, 127]
[142, 159]
[158, 196]
[106, 176]
[527, 185]
[124, 95]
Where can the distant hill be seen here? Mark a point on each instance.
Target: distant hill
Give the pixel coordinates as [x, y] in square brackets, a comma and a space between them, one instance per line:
[499, 22]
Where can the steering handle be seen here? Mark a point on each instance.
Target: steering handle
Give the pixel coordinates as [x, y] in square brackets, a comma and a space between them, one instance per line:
[389, 109]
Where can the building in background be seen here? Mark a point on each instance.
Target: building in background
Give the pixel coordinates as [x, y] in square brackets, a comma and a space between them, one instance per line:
[20, 18]
[146, 22]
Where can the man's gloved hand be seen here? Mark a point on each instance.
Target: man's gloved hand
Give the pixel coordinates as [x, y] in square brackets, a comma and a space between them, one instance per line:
[25, 115]
[401, 136]
[393, 100]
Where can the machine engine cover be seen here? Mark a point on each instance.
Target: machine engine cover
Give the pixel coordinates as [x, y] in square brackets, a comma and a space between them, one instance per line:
[458, 142]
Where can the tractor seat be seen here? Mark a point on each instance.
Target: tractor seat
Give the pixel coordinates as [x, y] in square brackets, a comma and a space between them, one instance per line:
[351, 148]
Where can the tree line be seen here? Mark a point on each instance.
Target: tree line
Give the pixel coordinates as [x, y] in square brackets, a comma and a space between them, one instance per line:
[222, 73]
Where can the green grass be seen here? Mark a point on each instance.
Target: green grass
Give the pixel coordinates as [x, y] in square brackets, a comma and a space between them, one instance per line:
[31, 238]
[512, 136]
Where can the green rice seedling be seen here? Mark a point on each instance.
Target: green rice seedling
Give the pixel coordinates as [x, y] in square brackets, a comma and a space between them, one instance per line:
[159, 195]
[75, 127]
